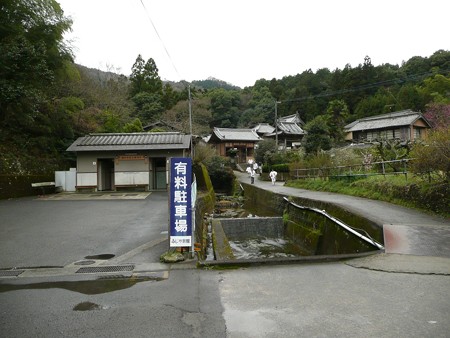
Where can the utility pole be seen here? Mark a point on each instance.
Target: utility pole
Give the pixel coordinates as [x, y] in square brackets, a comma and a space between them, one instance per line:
[190, 120]
[276, 125]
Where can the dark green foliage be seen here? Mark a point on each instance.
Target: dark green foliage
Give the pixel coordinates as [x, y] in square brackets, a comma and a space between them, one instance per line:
[281, 168]
[337, 113]
[318, 137]
[265, 151]
[146, 91]
[33, 60]
[13, 186]
[212, 83]
[148, 106]
[261, 108]
[224, 108]
[134, 126]
[145, 77]
[221, 174]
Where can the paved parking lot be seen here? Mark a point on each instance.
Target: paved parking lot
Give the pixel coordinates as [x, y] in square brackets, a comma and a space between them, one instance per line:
[57, 230]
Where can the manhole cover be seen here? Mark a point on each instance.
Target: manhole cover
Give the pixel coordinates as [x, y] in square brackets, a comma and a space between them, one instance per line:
[113, 268]
[10, 273]
[84, 263]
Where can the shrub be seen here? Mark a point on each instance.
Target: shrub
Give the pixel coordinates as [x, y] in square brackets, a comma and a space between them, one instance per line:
[281, 168]
[202, 153]
[432, 158]
[221, 174]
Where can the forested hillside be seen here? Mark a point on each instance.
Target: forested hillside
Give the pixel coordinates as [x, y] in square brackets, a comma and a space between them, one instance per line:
[47, 101]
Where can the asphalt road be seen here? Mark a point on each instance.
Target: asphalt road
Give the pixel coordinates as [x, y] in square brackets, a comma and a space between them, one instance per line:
[44, 232]
[342, 299]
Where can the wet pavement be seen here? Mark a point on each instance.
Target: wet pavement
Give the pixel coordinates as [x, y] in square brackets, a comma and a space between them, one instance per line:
[383, 295]
[99, 196]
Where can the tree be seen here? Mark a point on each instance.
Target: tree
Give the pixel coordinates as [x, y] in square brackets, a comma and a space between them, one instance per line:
[112, 123]
[224, 108]
[144, 77]
[436, 89]
[265, 151]
[134, 126]
[318, 137]
[146, 90]
[261, 108]
[32, 56]
[433, 156]
[337, 113]
[148, 106]
[438, 114]
[33, 60]
[169, 97]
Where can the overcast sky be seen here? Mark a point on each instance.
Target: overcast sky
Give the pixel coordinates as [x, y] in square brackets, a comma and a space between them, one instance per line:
[241, 41]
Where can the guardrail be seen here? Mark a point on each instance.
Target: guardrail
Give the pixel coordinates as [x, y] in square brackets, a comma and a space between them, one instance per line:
[394, 167]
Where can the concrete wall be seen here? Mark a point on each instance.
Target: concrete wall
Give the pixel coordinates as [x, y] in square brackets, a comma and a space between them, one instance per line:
[266, 203]
[251, 227]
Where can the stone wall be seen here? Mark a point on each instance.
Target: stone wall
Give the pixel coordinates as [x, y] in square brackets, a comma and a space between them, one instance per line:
[206, 199]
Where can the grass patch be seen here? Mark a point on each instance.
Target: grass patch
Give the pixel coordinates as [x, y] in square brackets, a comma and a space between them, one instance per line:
[412, 193]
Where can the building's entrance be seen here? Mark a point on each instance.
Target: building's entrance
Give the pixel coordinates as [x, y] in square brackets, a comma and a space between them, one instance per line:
[160, 173]
[105, 174]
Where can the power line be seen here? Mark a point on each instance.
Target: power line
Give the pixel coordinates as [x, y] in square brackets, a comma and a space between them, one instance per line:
[160, 39]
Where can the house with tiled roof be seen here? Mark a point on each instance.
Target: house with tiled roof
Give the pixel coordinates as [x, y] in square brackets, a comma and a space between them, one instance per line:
[294, 118]
[237, 143]
[263, 129]
[117, 161]
[288, 134]
[405, 125]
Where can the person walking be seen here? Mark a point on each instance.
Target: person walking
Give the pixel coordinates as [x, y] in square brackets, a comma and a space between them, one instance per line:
[273, 176]
[255, 167]
[252, 176]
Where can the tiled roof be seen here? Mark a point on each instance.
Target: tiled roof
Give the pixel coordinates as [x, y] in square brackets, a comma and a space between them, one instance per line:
[287, 128]
[290, 128]
[230, 134]
[264, 128]
[294, 118]
[131, 141]
[395, 119]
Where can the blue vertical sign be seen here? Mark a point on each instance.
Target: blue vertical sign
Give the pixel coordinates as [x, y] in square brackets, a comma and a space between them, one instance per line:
[180, 217]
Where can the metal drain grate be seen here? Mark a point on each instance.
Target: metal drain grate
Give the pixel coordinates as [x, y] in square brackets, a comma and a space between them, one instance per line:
[10, 273]
[113, 268]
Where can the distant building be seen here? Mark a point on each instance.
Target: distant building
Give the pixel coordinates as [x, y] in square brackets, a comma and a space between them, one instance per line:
[263, 129]
[405, 125]
[288, 128]
[294, 118]
[236, 143]
[127, 161]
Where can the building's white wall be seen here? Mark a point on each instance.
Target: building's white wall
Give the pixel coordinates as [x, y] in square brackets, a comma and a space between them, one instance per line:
[131, 178]
[86, 179]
